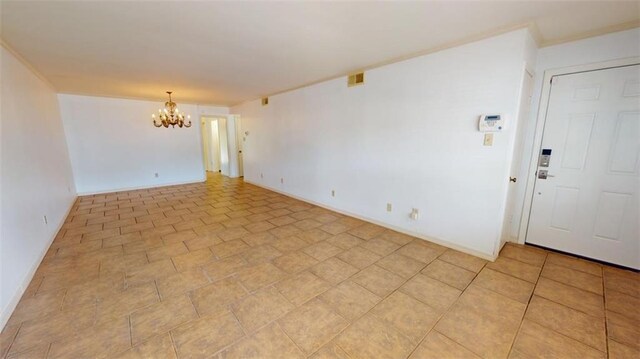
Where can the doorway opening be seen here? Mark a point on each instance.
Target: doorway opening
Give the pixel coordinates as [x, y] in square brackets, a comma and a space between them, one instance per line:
[215, 144]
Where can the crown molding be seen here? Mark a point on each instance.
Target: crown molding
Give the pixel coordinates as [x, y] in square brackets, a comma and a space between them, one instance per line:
[593, 33]
[27, 64]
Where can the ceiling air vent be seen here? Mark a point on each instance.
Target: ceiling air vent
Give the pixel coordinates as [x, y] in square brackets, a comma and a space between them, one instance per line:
[265, 101]
[356, 79]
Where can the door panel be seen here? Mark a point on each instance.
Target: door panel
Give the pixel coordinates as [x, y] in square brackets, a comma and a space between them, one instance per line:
[624, 157]
[588, 203]
[609, 218]
[565, 204]
[576, 144]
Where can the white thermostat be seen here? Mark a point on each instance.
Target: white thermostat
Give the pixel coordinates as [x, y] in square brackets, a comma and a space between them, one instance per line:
[491, 123]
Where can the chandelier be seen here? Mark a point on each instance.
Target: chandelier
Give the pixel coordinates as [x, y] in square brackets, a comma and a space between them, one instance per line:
[170, 116]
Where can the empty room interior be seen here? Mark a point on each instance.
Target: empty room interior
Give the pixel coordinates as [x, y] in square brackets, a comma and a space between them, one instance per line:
[320, 179]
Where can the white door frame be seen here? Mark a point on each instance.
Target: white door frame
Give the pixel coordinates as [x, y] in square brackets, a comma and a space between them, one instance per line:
[203, 132]
[540, 122]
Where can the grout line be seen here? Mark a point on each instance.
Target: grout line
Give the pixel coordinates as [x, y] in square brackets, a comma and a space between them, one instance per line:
[527, 305]
[606, 322]
[46, 355]
[130, 331]
[288, 337]
[351, 322]
[446, 311]
[173, 344]
[13, 339]
[155, 285]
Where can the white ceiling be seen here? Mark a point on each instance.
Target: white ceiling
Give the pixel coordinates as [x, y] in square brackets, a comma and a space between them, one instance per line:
[228, 52]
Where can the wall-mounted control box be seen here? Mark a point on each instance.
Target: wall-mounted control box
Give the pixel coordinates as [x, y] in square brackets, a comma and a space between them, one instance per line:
[491, 123]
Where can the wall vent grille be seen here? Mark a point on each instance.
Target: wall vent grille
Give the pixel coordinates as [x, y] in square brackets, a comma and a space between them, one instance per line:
[356, 79]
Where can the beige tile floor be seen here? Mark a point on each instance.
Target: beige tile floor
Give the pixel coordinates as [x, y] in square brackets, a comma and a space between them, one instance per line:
[226, 269]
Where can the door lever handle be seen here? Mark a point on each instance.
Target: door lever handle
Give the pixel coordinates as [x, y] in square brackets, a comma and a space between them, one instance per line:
[512, 179]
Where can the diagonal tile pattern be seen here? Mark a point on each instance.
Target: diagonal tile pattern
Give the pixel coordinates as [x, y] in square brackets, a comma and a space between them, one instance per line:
[224, 269]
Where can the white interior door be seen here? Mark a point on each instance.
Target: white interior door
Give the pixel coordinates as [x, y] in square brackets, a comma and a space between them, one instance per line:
[214, 146]
[588, 203]
[224, 147]
[204, 125]
[240, 142]
[515, 196]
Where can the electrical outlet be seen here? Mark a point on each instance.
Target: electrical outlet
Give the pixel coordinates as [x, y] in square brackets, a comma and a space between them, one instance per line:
[44, 218]
[389, 207]
[281, 180]
[261, 175]
[333, 193]
[156, 175]
[488, 139]
[414, 214]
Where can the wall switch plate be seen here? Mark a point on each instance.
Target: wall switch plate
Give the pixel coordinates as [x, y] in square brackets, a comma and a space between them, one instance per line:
[488, 139]
[389, 207]
[333, 193]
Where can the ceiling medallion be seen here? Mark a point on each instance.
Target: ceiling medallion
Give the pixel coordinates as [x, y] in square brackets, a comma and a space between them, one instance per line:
[170, 116]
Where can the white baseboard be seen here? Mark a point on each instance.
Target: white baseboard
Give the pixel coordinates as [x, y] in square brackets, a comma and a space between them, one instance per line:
[155, 185]
[441, 242]
[13, 303]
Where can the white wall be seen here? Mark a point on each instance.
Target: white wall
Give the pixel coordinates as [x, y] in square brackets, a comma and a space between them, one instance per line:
[35, 177]
[407, 136]
[619, 45]
[114, 145]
